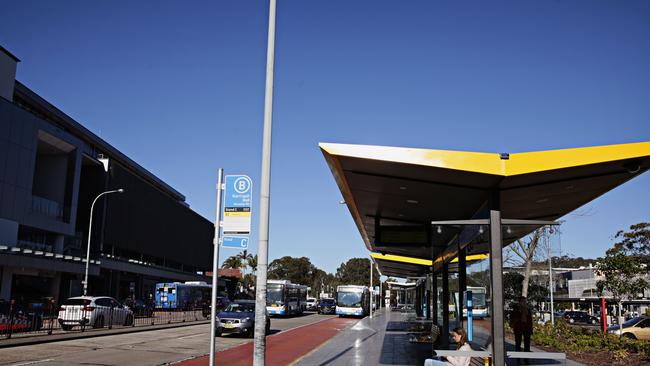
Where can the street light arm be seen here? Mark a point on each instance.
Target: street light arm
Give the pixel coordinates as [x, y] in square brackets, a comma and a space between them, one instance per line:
[90, 227]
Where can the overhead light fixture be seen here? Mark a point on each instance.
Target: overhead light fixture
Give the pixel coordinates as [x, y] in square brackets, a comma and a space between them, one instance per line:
[508, 230]
[439, 230]
[104, 161]
[412, 201]
[402, 188]
[480, 229]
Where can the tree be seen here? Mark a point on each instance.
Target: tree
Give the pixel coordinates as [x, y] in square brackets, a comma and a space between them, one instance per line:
[525, 250]
[252, 262]
[232, 262]
[624, 266]
[245, 257]
[636, 241]
[297, 270]
[356, 271]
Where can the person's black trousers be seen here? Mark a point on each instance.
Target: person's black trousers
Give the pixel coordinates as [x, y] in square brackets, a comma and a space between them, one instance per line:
[526, 337]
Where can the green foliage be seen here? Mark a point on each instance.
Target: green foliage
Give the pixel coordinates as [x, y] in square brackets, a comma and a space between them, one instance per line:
[635, 242]
[297, 270]
[232, 262]
[512, 283]
[356, 271]
[565, 338]
[623, 274]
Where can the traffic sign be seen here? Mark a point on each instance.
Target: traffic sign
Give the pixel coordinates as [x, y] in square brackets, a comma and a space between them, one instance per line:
[237, 205]
[238, 242]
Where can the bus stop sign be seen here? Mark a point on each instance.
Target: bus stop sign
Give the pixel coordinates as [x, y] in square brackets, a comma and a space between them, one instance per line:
[237, 205]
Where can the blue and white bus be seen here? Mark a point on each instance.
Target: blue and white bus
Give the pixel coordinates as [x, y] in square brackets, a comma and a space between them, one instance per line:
[352, 300]
[182, 296]
[285, 298]
[480, 308]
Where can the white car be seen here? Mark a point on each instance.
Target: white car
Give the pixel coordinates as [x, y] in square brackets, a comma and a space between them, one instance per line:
[311, 304]
[95, 311]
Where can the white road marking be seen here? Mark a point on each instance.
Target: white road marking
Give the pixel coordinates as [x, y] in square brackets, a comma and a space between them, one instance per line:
[32, 362]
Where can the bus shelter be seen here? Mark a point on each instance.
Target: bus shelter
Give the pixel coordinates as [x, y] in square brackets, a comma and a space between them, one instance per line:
[423, 213]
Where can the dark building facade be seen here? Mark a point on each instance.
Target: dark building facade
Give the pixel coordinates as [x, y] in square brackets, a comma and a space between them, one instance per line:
[51, 170]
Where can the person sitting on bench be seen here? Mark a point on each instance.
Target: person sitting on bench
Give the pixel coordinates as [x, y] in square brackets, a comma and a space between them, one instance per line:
[460, 337]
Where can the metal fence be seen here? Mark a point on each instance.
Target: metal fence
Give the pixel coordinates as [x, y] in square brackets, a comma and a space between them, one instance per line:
[46, 318]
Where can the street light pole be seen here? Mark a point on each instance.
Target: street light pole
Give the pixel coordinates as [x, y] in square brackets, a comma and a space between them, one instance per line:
[90, 227]
[259, 348]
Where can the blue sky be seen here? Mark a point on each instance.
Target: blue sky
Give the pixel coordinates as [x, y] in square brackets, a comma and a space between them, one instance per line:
[179, 87]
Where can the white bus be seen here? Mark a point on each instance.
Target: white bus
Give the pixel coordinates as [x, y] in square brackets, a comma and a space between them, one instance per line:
[479, 303]
[352, 300]
[285, 298]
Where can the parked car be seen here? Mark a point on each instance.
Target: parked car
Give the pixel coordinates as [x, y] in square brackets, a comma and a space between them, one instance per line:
[239, 317]
[222, 303]
[95, 311]
[140, 308]
[580, 317]
[312, 304]
[327, 306]
[635, 328]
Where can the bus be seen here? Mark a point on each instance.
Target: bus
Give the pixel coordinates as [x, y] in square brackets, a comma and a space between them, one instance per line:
[285, 298]
[182, 296]
[352, 300]
[479, 303]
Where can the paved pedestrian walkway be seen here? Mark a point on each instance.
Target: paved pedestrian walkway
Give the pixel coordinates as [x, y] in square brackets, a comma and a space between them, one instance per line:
[384, 340]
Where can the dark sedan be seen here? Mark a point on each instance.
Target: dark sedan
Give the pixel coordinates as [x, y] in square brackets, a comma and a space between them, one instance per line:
[239, 317]
[327, 306]
[580, 317]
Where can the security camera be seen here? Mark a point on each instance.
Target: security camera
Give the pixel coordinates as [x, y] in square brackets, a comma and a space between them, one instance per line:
[632, 167]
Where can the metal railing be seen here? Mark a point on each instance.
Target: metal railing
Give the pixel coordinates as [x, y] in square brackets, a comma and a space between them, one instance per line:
[45, 318]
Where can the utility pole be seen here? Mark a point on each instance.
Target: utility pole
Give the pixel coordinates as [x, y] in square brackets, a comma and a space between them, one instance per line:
[259, 350]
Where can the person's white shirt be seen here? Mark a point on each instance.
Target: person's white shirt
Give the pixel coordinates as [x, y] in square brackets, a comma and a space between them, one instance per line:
[460, 360]
[452, 360]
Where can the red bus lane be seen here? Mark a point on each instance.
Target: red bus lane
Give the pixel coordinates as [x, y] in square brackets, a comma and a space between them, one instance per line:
[281, 349]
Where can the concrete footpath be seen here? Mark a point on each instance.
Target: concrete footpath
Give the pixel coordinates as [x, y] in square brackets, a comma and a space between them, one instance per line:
[384, 340]
[283, 348]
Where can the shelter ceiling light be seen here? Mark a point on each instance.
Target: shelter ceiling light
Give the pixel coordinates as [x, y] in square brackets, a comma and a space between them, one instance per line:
[508, 230]
[412, 201]
[480, 229]
[402, 188]
[439, 229]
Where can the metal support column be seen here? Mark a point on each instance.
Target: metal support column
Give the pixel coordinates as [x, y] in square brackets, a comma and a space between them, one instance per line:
[434, 298]
[444, 332]
[496, 273]
[462, 283]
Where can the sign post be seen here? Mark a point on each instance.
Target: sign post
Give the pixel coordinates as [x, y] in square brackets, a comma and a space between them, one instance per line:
[215, 268]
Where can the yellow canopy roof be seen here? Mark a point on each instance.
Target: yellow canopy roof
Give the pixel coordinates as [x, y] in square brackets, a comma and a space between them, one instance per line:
[394, 193]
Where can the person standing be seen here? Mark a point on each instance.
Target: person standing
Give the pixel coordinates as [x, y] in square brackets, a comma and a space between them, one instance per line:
[521, 322]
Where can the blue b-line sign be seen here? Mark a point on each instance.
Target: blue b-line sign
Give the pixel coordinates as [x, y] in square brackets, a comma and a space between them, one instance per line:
[237, 211]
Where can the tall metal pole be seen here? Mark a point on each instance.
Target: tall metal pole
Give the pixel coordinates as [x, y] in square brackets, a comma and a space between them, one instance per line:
[259, 351]
[215, 268]
[550, 275]
[371, 292]
[496, 272]
[90, 228]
